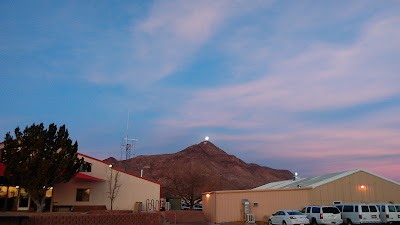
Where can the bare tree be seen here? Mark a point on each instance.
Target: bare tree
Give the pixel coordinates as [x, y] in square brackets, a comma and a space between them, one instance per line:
[113, 185]
[190, 183]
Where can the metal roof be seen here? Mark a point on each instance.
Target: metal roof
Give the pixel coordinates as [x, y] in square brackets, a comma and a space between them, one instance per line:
[313, 182]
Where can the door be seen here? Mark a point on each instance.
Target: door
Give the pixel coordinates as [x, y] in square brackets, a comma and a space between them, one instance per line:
[274, 218]
[23, 200]
[279, 217]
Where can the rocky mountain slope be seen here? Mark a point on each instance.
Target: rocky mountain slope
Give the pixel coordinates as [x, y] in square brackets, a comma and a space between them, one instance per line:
[204, 167]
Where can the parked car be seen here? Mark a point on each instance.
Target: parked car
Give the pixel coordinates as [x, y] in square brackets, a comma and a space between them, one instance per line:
[323, 215]
[197, 207]
[185, 206]
[388, 213]
[358, 213]
[288, 217]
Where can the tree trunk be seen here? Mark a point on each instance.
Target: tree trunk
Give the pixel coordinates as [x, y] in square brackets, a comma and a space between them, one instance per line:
[39, 205]
[38, 200]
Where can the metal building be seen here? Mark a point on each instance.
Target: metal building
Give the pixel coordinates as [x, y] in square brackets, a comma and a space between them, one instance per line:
[346, 187]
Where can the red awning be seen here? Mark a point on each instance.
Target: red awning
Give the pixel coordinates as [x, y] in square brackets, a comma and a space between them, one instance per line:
[87, 177]
[2, 169]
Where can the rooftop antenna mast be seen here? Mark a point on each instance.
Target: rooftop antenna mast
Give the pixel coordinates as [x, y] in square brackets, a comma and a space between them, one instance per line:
[129, 143]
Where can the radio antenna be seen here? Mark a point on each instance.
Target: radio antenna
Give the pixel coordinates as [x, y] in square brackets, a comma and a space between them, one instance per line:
[129, 143]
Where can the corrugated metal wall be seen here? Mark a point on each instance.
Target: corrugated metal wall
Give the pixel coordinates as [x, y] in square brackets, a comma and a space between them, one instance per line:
[209, 210]
[226, 206]
[348, 189]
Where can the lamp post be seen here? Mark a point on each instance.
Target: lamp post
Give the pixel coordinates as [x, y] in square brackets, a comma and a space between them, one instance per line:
[110, 187]
[111, 174]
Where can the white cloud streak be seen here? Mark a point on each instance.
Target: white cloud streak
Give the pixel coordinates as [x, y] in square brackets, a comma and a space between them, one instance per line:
[167, 39]
[323, 78]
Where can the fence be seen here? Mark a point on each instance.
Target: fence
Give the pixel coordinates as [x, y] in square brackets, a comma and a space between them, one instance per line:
[87, 219]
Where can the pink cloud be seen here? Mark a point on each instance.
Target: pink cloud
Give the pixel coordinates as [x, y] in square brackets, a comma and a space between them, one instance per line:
[191, 22]
[322, 78]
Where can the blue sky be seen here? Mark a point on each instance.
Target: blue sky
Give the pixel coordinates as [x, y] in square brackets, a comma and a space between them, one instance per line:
[312, 87]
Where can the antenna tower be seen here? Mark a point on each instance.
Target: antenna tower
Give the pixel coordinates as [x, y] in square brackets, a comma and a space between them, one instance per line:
[129, 143]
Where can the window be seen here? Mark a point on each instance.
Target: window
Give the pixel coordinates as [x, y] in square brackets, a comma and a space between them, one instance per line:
[391, 208]
[23, 200]
[373, 208]
[82, 195]
[294, 213]
[86, 167]
[364, 208]
[315, 210]
[348, 208]
[308, 209]
[332, 210]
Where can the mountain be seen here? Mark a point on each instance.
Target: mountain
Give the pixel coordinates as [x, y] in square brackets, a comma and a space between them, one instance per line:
[203, 165]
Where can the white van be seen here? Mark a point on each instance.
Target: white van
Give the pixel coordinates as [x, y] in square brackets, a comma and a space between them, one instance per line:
[389, 214]
[329, 215]
[356, 213]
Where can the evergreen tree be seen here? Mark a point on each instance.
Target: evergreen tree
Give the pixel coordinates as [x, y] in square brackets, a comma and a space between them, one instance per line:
[39, 158]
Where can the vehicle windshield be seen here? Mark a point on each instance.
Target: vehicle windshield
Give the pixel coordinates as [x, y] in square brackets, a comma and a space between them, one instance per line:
[333, 210]
[294, 213]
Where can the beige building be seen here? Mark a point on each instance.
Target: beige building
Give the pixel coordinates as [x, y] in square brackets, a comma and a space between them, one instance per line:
[93, 188]
[89, 187]
[351, 186]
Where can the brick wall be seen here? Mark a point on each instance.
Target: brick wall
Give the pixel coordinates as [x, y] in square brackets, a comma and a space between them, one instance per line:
[88, 219]
[87, 208]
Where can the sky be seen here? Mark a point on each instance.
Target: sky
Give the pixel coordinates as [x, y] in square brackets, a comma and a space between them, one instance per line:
[308, 86]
